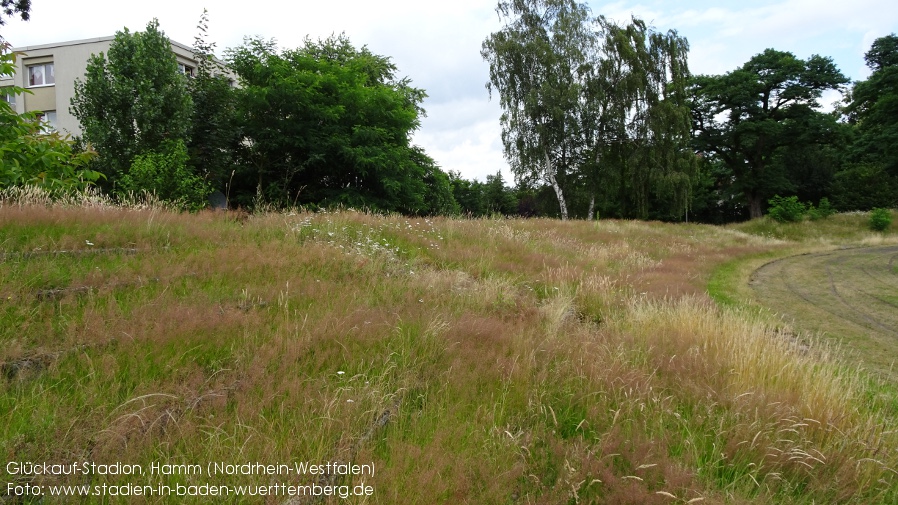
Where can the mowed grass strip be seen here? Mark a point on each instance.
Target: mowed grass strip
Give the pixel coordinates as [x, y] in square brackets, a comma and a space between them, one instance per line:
[481, 361]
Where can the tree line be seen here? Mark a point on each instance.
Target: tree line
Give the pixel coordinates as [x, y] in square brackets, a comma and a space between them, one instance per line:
[609, 116]
[599, 118]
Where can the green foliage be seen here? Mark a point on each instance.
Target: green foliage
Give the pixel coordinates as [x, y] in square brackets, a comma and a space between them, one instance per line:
[751, 116]
[214, 131]
[823, 210]
[863, 186]
[468, 194]
[591, 107]
[880, 219]
[786, 209]
[497, 198]
[165, 174]
[13, 7]
[132, 99]
[438, 196]
[31, 155]
[328, 124]
[873, 107]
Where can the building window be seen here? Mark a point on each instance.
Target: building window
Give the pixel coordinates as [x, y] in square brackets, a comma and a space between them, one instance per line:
[7, 96]
[186, 70]
[41, 75]
[47, 119]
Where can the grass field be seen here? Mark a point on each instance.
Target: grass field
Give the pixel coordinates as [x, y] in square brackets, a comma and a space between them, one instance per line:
[464, 361]
[851, 295]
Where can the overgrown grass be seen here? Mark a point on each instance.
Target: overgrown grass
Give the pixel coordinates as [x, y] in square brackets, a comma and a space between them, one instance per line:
[479, 361]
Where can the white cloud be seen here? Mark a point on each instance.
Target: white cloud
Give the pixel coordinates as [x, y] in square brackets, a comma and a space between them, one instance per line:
[464, 135]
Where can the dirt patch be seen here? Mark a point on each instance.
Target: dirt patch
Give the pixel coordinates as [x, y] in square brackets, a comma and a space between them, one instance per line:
[850, 295]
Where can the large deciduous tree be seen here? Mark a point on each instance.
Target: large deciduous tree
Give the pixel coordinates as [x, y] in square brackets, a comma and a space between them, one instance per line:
[590, 105]
[748, 117]
[329, 124]
[132, 100]
[636, 118]
[535, 66]
[874, 106]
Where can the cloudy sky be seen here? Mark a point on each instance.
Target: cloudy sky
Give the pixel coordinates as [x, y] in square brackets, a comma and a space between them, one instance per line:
[437, 44]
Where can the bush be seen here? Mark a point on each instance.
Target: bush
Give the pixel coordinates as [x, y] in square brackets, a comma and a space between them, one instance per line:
[785, 209]
[880, 219]
[864, 187]
[822, 211]
[166, 175]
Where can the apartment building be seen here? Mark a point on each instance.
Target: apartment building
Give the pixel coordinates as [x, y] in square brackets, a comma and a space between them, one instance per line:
[49, 71]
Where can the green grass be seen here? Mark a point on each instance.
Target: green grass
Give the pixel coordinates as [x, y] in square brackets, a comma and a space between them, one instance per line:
[480, 361]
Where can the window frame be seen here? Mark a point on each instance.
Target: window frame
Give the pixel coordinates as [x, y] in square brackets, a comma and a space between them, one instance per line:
[48, 120]
[8, 96]
[43, 66]
[186, 70]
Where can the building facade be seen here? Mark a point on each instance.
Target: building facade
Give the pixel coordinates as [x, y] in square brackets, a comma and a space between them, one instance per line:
[49, 71]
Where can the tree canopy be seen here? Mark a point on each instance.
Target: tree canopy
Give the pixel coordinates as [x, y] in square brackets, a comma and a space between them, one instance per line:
[10, 8]
[214, 130]
[329, 124]
[747, 117]
[132, 99]
[588, 104]
[873, 106]
[598, 117]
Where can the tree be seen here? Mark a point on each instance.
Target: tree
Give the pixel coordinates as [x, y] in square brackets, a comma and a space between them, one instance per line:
[214, 132]
[873, 107]
[535, 62]
[328, 124]
[589, 105]
[468, 194]
[864, 186]
[636, 118]
[747, 117]
[438, 197]
[497, 198]
[132, 100]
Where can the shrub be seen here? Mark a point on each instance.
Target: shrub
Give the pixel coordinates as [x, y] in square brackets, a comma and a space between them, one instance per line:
[785, 209]
[863, 187]
[880, 219]
[822, 211]
[166, 175]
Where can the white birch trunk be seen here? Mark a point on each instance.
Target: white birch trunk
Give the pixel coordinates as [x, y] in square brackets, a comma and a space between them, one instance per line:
[592, 208]
[550, 178]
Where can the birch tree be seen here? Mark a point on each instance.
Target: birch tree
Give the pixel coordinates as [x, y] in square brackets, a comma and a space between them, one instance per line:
[535, 62]
[588, 102]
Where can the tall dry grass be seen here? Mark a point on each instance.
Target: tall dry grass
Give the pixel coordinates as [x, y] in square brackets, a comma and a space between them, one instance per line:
[482, 361]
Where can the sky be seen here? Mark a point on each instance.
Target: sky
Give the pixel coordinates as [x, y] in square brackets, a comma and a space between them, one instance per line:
[437, 44]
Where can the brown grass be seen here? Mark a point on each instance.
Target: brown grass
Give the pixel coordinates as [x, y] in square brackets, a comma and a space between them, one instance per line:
[481, 361]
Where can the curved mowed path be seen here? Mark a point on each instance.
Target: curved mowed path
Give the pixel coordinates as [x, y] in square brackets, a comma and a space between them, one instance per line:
[850, 295]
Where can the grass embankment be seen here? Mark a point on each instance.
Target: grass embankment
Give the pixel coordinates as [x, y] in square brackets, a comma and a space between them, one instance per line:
[478, 361]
